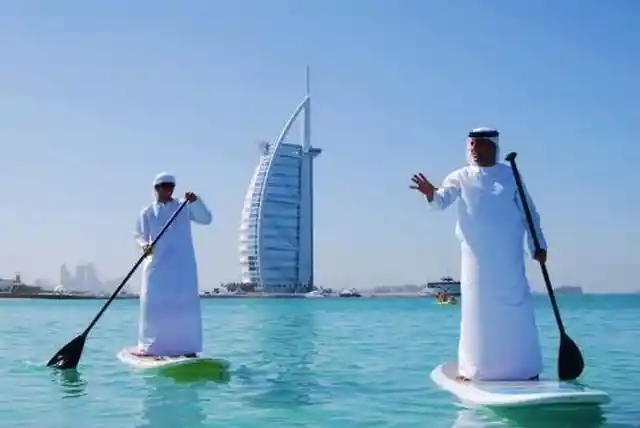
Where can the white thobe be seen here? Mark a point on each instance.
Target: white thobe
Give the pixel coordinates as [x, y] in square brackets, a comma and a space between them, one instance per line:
[498, 334]
[170, 318]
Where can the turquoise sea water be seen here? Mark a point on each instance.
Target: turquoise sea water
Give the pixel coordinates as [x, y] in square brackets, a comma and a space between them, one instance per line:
[339, 363]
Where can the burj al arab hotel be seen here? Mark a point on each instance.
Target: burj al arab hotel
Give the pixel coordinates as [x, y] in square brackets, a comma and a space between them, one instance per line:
[276, 231]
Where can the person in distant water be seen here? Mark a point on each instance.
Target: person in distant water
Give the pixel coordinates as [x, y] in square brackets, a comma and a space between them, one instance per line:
[170, 318]
[498, 334]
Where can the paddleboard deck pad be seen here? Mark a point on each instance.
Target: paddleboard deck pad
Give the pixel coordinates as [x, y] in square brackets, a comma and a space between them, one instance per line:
[182, 367]
[515, 394]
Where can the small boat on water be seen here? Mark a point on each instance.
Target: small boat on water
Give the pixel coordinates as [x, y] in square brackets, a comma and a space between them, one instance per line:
[349, 292]
[446, 299]
[317, 294]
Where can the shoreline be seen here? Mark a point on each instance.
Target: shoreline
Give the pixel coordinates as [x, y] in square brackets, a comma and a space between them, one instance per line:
[216, 296]
[240, 296]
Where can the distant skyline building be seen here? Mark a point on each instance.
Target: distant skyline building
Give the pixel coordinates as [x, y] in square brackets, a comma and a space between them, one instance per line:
[276, 230]
[84, 279]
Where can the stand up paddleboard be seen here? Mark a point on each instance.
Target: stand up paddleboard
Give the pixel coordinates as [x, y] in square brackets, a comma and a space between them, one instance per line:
[514, 394]
[180, 367]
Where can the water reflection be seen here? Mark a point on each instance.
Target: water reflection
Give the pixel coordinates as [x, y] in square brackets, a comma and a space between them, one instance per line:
[548, 417]
[217, 371]
[71, 382]
[171, 405]
[287, 335]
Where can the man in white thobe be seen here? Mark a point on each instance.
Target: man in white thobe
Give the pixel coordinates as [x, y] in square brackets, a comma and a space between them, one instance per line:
[170, 318]
[498, 334]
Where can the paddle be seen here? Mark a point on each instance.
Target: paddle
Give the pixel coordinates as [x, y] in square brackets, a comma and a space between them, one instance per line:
[570, 361]
[69, 355]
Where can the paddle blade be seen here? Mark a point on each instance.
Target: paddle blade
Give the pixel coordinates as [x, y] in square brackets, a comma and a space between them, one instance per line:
[570, 361]
[69, 356]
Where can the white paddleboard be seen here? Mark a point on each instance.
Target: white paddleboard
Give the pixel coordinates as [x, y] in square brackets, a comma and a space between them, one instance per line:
[127, 356]
[514, 394]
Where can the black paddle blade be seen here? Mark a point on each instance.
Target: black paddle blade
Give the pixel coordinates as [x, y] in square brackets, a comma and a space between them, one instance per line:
[570, 361]
[69, 356]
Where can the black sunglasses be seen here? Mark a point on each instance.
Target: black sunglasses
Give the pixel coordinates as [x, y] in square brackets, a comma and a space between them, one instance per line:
[482, 141]
[165, 186]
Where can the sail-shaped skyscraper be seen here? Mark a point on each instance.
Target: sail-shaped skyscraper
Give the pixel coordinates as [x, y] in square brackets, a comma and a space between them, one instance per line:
[276, 230]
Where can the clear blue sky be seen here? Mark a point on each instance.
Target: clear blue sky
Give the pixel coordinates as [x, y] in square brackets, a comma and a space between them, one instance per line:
[97, 97]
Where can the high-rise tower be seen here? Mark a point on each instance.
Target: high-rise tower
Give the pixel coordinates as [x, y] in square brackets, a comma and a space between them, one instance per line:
[276, 231]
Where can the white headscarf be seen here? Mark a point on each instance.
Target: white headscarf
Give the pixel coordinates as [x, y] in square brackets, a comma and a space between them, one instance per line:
[164, 178]
[490, 134]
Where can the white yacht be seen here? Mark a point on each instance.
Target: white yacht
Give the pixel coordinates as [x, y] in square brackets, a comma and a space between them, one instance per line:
[315, 294]
[446, 284]
[349, 292]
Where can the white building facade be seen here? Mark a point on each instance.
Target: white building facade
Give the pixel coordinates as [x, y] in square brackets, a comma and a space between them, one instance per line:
[276, 230]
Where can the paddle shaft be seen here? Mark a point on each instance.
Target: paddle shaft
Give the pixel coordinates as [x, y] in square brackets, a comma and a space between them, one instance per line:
[511, 158]
[133, 269]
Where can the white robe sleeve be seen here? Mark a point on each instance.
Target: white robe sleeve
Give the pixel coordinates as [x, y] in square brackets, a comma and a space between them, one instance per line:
[447, 194]
[142, 234]
[199, 213]
[536, 222]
